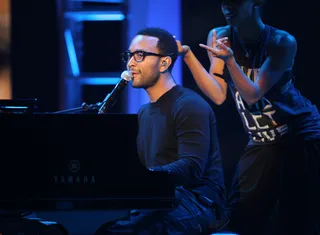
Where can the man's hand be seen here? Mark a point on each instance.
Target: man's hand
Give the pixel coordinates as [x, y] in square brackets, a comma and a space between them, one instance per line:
[182, 49]
[219, 47]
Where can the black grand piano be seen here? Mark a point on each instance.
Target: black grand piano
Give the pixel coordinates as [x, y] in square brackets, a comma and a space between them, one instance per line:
[76, 162]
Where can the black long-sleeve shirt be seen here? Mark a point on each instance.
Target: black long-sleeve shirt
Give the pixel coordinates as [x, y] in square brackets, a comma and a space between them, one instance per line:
[177, 133]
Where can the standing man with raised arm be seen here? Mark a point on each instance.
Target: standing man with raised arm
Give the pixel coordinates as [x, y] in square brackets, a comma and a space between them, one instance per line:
[282, 159]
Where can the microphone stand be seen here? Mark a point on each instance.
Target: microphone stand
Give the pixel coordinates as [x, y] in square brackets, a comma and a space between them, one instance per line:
[83, 107]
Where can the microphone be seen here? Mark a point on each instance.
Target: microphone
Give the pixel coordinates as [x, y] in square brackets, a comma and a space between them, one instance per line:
[112, 97]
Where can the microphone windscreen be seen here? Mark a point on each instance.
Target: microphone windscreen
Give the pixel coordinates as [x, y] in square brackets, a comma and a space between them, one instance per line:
[126, 75]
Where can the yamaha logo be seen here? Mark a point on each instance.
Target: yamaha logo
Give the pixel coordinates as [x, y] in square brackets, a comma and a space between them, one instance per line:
[74, 166]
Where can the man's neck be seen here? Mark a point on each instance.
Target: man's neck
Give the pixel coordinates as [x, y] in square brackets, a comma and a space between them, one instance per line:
[164, 84]
[251, 29]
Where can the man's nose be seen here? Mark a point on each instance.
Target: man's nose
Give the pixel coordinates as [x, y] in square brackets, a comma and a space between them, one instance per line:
[131, 62]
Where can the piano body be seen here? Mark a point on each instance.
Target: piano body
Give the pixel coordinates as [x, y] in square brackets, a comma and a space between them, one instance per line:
[81, 161]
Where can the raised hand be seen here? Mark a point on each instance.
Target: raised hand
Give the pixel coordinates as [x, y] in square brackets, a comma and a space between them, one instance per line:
[182, 49]
[219, 48]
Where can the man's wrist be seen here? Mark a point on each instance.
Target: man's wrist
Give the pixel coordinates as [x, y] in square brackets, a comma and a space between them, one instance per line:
[187, 55]
[230, 61]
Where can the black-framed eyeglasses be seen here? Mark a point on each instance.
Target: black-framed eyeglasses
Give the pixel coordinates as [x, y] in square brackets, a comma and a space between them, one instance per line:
[138, 55]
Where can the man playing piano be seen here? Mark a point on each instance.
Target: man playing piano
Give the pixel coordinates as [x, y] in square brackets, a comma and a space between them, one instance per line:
[177, 133]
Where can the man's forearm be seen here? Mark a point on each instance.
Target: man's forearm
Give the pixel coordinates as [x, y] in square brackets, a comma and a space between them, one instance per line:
[204, 80]
[248, 90]
[184, 171]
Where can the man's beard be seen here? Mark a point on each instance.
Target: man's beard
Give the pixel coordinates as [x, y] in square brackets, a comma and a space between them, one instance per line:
[147, 84]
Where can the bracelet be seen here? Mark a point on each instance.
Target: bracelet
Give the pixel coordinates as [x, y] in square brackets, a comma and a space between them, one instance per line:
[218, 75]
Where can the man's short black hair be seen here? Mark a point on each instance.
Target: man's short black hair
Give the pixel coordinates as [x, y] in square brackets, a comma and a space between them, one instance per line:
[167, 44]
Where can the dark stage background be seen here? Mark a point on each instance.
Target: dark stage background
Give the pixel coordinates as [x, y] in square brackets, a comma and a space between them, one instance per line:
[37, 60]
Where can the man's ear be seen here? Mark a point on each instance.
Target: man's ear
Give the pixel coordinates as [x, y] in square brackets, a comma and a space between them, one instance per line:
[165, 63]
